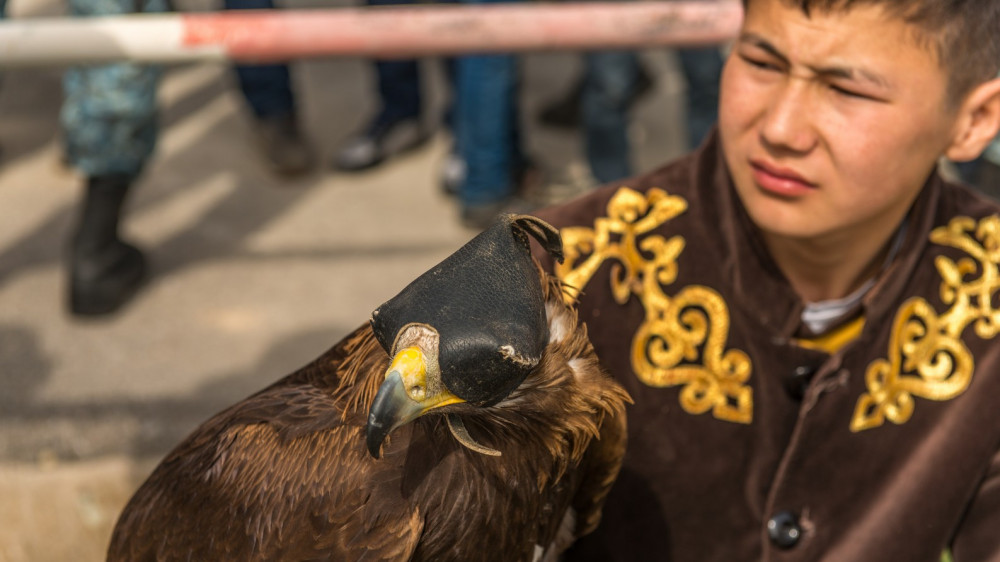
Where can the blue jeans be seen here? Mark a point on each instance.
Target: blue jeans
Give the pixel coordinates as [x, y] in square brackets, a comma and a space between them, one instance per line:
[398, 83]
[266, 87]
[702, 69]
[608, 84]
[486, 125]
[487, 131]
[608, 89]
[109, 111]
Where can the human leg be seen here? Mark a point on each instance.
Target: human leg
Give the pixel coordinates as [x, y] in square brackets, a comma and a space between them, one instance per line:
[486, 129]
[487, 133]
[565, 111]
[609, 82]
[267, 89]
[109, 123]
[399, 90]
[397, 126]
[702, 68]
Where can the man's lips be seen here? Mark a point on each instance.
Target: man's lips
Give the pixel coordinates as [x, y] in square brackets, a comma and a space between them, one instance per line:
[778, 180]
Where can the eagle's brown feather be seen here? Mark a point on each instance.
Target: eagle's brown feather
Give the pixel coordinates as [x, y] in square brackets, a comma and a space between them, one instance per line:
[285, 474]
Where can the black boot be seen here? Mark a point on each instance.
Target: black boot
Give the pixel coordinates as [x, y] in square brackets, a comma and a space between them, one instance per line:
[566, 111]
[104, 271]
[283, 145]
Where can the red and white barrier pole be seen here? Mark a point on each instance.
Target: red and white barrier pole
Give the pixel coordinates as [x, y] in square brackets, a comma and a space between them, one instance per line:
[389, 32]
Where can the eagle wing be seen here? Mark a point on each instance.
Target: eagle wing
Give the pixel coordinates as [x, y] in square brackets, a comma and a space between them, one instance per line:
[602, 464]
[282, 475]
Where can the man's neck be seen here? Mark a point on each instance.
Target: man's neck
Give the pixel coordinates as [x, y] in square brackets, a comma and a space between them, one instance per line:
[832, 267]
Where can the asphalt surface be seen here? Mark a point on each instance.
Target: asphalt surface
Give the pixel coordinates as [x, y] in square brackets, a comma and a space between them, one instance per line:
[252, 275]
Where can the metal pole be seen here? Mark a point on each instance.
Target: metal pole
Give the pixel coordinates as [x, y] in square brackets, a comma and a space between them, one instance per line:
[387, 32]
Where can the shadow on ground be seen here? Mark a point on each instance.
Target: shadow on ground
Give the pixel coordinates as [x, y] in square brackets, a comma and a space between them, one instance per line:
[143, 430]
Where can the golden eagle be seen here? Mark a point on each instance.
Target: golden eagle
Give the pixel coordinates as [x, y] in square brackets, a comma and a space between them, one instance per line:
[506, 435]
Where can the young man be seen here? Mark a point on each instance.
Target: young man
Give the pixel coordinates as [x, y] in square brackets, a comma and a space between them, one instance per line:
[803, 310]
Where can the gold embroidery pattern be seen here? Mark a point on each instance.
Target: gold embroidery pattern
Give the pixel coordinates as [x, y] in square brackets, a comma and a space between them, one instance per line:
[927, 357]
[683, 338]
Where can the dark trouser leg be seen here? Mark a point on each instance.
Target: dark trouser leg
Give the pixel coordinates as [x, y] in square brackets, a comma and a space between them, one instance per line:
[399, 91]
[702, 69]
[268, 91]
[397, 127]
[266, 87]
[609, 84]
[398, 83]
[486, 127]
[109, 124]
[487, 131]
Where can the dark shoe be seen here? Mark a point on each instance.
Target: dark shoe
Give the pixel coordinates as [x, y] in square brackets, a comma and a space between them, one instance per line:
[565, 112]
[287, 152]
[104, 271]
[380, 141]
[643, 86]
[525, 198]
[101, 283]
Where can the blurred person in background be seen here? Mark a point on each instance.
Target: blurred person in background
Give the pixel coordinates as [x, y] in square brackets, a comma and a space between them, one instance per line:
[268, 91]
[485, 167]
[611, 83]
[702, 69]
[495, 170]
[399, 124]
[109, 122]
[109, 132]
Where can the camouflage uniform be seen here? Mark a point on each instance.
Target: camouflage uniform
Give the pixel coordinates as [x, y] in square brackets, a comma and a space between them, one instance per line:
[109, 113]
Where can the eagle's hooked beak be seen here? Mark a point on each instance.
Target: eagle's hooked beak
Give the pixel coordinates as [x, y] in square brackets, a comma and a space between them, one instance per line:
[405, 395]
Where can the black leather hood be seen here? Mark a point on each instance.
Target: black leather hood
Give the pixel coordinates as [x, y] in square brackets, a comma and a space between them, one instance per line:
[485, 301]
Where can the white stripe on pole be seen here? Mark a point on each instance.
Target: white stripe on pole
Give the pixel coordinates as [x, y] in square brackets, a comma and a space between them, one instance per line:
[389, 32]
[151, 38]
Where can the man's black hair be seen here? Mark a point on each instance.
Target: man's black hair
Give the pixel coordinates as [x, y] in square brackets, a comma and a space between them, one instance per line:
[965, 34]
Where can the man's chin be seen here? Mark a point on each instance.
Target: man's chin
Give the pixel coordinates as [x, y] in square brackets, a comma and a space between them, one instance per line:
[788, 219]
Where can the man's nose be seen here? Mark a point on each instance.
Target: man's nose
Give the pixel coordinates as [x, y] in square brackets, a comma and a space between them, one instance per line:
[788, 123]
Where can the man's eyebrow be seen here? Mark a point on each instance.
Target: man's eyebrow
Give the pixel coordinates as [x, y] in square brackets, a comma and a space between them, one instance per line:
[851, 73]
[845, 72]
[764, 44]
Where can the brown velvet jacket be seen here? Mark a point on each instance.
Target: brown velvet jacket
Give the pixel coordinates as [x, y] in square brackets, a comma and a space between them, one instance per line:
[747, 442]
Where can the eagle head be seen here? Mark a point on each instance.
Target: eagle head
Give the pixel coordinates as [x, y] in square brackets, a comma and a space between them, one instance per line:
[468, 330]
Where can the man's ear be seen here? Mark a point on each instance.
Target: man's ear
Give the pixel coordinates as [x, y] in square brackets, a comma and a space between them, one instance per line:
[977, 123]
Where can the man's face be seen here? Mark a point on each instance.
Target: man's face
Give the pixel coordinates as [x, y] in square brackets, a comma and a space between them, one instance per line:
[830, 124]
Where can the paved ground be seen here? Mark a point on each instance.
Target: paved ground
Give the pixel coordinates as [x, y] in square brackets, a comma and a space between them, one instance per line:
[252, 276]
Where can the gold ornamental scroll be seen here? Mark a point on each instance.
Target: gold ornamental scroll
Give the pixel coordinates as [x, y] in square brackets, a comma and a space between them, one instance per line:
[927, 357]
[682, 340]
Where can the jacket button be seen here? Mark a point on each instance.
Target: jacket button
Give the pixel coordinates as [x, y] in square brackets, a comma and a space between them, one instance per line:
[783, 529]
[798, 381]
